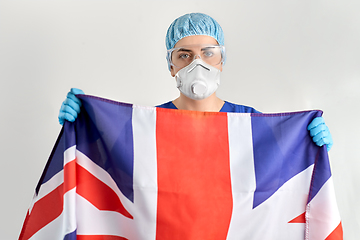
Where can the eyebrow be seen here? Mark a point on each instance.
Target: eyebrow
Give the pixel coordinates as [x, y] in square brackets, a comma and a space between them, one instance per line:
[184, 50]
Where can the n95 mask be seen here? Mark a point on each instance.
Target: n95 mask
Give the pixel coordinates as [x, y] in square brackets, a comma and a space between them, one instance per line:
[198, 80]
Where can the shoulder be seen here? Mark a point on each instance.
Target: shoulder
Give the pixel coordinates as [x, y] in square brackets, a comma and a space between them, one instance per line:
[168, 105]
[232, 107]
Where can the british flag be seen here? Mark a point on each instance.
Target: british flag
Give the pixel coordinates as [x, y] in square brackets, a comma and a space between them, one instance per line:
[123, 171]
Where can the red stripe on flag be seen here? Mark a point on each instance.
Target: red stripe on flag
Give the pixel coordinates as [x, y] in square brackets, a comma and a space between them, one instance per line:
[69, 176]
[43, 212]
[98, 193]
[99, 237]
[23, 230]
[299, 219]
[337, 234]
[194, 184]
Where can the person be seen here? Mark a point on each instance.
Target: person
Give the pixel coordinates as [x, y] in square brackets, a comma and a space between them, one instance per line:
[196, 55]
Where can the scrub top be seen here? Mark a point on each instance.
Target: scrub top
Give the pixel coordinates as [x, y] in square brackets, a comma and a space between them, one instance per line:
[227, 107]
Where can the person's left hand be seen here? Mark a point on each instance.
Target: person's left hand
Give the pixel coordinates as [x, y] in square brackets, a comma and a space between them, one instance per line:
[320, 133]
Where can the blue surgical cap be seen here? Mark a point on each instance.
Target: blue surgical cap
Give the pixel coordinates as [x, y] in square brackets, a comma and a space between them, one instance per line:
[193, 24]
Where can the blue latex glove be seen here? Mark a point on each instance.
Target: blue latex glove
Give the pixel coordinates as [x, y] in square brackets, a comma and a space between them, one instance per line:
[320, 133]
[70, 107]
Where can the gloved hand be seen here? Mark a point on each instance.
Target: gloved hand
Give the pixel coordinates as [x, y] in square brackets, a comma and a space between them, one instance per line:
[70, 107]
[320, 133]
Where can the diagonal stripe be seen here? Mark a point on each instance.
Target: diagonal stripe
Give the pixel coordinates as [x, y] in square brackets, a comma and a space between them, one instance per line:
[194, 188]
[44, 211]
[62, 225]
[48, 187]
[98, 193]
[299, 219]
[337, 234]
[50, 205]
[69, 176]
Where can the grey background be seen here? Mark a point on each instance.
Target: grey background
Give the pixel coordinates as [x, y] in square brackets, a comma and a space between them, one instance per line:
[281, 56]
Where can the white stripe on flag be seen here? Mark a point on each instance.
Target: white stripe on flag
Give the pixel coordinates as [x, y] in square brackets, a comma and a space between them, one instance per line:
[241, 169]
[323, 214]
[69, 210]
[145, 172]
[69, 154]
[92, 221]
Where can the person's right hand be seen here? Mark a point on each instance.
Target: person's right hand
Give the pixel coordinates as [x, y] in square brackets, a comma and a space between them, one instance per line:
[70, 107]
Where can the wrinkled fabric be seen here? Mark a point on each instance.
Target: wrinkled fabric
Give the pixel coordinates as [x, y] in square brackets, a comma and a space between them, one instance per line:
[193, 24]
[227, 107]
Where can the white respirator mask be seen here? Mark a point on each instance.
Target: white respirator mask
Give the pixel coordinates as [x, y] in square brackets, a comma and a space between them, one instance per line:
[198, 80]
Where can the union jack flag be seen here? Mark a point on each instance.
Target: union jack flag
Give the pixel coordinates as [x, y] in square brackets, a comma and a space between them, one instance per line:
[123, 171]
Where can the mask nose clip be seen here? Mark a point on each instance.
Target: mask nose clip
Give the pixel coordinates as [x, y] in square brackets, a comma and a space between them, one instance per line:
[199, 63]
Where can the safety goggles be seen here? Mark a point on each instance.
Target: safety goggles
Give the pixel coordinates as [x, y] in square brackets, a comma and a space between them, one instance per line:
[182, 56]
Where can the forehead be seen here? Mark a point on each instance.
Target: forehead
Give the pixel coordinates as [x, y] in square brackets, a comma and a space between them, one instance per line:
[196, 40]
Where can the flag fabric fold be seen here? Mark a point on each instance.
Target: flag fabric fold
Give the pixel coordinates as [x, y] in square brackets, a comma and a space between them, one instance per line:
[123, 171]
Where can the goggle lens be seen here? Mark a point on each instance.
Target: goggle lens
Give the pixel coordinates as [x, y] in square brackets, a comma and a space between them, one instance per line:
[183, 56]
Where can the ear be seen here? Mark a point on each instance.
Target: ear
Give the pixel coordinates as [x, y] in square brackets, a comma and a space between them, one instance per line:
[220, 67]
[172, 71]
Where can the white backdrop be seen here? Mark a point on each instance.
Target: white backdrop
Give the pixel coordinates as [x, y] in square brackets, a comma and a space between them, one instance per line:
[281, 56]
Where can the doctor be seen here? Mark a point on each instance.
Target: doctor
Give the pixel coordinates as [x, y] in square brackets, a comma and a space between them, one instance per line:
[196, 55]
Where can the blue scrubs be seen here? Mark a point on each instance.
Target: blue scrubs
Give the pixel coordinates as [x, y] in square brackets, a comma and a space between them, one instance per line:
[227, 107]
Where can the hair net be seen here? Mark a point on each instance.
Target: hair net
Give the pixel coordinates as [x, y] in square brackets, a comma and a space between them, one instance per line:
[193, 24]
